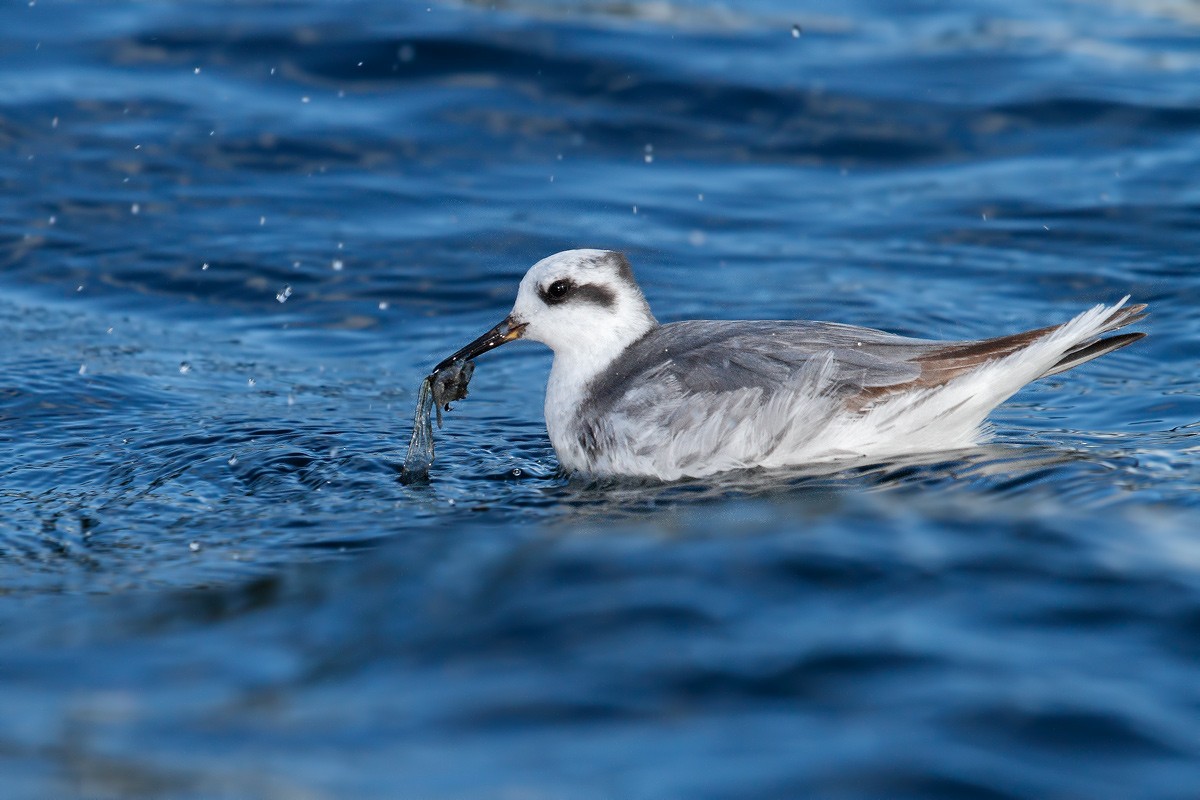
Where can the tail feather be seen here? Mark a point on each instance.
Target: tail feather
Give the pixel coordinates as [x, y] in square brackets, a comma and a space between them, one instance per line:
[944, 362]
[1096, 346]
[1095, 349]
[961, 382]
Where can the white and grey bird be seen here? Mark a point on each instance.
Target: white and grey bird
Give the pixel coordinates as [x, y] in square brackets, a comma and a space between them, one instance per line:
[628, 396]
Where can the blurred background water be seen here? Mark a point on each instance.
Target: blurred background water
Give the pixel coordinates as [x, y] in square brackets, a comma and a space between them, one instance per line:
[233, 237]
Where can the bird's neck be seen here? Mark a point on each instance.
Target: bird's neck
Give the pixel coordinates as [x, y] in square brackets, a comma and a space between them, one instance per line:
[579, 363]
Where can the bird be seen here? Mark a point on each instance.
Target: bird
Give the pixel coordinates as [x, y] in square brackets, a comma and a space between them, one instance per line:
[630, 397]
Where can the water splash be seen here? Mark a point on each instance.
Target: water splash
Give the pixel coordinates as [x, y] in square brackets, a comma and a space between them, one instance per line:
[419, 457]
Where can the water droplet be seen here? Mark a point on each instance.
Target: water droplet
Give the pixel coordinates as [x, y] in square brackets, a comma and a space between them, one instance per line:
[136, 208]
[83, 369]
[306, 99]
[516, 472]
[796, 31]
[283, 294]
[635, 209]
[53, 219]
[700, 197]
[233, 460]
[337, 265]
[204, 266]
[383, 305]
[194, 547]
[54, 122]
[291, 401]
[184, 368]
[250, 381]
[196, 71]
[262, 220]
[696, 238]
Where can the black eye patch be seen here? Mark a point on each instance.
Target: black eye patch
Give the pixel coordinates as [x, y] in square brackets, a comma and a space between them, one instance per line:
[562, 290]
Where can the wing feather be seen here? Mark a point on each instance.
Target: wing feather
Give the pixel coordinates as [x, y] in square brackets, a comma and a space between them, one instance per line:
[716, 357]
[860, 365]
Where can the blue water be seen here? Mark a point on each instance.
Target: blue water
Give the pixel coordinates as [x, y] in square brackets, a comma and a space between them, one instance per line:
[233, 237]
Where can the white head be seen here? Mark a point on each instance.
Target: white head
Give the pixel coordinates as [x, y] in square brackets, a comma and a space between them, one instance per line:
[583, 304]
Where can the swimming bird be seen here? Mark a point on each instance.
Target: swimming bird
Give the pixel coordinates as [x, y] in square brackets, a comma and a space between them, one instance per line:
[630, 397]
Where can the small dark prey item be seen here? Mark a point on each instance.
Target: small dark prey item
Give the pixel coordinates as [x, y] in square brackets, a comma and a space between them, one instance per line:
[450, 384]
[445, 384]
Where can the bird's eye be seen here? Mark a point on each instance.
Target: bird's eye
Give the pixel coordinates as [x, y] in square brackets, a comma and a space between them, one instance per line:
[558, 290]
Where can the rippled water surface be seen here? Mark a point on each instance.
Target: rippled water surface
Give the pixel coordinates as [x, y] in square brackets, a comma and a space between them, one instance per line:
[233, 237]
